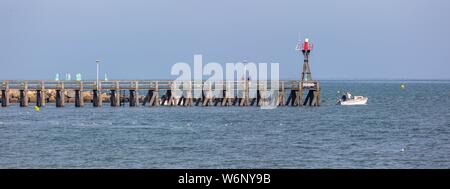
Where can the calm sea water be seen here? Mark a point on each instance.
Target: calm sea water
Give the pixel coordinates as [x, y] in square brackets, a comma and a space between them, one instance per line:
[397, 129]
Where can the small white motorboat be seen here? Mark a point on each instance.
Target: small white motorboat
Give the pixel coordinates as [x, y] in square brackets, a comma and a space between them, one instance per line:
[349, 99]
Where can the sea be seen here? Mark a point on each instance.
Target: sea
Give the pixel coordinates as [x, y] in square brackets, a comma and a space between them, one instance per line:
[398, 128]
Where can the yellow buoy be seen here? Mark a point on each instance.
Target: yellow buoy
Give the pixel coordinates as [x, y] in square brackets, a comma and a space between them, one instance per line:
[36, 108]
[402, 86]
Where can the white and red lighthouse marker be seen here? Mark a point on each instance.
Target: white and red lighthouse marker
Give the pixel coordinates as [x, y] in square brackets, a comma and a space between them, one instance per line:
[305, 48]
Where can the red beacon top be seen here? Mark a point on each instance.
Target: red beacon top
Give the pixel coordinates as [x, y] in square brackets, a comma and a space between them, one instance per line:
[305, 46]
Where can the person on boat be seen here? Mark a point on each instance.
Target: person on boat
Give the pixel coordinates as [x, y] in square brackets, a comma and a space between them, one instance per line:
[344, 98]
[349, 95]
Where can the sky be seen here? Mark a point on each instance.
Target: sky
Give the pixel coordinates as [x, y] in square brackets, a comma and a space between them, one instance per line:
[142, 39]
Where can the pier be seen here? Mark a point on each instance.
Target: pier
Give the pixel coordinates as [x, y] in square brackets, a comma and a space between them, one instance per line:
[159, 93]
[152, 93]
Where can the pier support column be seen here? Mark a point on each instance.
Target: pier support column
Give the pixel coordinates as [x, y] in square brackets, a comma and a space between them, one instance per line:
[281, 95]
[148, 98]
[23, 98]
[134, 94]
[228, 95]
[41, 95]
[79, 101]
[155, 98]
[316, 101]
[300, 94]
[169, 99]
[189, 98]
[97, 98]
[23, 95]
[5, 98]
[60, 98]
[134, 98]
[115, 95]
[313, 96]
[115, 98]
[309, 98]
[40, 98]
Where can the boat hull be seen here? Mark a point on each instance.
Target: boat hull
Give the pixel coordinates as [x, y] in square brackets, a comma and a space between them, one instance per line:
[362, 101]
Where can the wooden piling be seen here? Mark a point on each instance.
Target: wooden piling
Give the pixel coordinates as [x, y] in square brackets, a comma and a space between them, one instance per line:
[134, 94]
[208, 97]
[5, 98]
[263, 98]
[316, 96]
[39, 98]
[133, 98]
[79, 101]
[60, 96]
[115, 95]
[41, 95]
[281, 95]
[23, 95]
[228, 95]
[5, 94]
[300, 94]
[97, 98]
[309, 98]
[189, 97]
[155, 99]
[114, 98]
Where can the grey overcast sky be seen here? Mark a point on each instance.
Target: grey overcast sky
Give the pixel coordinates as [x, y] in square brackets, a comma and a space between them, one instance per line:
[354, 39]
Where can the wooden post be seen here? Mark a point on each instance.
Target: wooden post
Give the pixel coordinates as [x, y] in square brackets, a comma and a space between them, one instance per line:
[149, 95]
[318, 93]
[309, 98]
[60, 95]
[134, 96]
[97, 96]
[40, 95]
[245, 96]
[281, 95]
[189, 97]
[78, 98]
[262, 95]
[316, 97]
[39, 98]
[228, 96]
[170, 95]
[300, 93]
[5, 94]
[115, 95]
[207, 97]
[24, 95]
[79, 101]
[155, 99]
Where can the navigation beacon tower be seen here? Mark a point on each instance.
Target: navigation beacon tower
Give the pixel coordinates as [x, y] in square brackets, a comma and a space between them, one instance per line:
[306, 82]
[305, 47]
